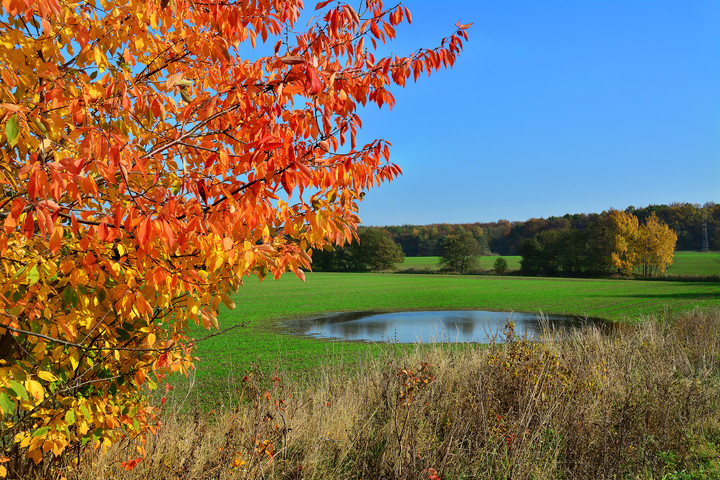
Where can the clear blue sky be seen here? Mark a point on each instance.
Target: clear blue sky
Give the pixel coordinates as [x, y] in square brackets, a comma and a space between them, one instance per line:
[554, 107]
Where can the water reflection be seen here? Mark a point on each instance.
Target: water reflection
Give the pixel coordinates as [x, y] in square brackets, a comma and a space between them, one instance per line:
[427, 327]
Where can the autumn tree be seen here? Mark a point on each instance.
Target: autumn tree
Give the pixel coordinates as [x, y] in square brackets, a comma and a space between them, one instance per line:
[153, 154]
[656, 246]
[624, 231]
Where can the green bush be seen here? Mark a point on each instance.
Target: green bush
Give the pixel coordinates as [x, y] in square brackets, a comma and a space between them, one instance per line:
[501, 266]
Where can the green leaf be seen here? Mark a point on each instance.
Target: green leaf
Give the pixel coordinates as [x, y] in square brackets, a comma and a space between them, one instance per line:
[12, 130]
[70, 417]
[20, 272]
[85, 412]
[41, 431]
[33, 276]
[69, 297]
[6, 403]
[19, 389]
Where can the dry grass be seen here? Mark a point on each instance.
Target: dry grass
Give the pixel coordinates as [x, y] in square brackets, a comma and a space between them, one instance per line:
[643, 403]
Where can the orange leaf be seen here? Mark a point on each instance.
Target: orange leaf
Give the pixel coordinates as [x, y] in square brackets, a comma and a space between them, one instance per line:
[130, 464]
[143, 231]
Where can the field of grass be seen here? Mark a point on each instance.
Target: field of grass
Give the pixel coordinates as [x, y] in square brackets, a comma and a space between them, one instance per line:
[695, 264]
[431, 263]
[225, 359]
[687, 264]
[643, 404]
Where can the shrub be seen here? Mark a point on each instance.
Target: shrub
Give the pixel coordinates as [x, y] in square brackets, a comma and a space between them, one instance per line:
[501, 266]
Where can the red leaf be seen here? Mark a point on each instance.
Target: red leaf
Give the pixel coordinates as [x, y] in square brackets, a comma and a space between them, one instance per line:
[287, 186]
[375, 30]
[114, 155]
[202, 190]
[143, 232]
[322, 4]
[169, 233]
[314, 80]
[29, 225]
[130, 464]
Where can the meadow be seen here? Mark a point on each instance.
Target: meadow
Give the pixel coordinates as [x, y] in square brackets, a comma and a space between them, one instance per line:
[686, 264]
[691, 264]
[643, 403]
[259, 345]
[431, 264]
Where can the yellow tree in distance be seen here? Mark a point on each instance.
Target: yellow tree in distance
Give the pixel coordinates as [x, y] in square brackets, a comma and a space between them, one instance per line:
[649, 248]
[656, 246]
[625, 231]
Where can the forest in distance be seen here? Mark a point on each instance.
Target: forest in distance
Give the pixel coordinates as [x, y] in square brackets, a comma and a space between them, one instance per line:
[504, 237]
[633, 242]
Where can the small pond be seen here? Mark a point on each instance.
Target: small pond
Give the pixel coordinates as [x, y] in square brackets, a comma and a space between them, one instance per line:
[428, 327]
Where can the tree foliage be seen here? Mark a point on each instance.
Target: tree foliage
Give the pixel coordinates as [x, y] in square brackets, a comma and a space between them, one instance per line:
[425, 240]
[459, 252]
[374, 250]
[624, 235]
[500, 267]
[656, 246]
[689, 221]
[147, 166]
[615, 242]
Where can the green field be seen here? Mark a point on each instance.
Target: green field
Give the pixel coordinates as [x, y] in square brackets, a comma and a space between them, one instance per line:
[224, 359]
[686, 264]
[432, 263]
[695, 264]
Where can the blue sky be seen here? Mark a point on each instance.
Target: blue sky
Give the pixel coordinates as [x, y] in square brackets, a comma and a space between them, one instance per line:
[554, 107]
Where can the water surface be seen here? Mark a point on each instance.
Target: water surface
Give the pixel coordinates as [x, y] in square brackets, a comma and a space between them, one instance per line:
[428, 327]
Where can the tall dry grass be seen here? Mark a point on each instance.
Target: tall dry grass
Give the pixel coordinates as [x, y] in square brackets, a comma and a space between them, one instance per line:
[641, 403]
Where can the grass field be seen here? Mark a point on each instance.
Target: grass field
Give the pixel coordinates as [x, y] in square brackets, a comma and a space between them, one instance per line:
[687, 264]
[432, 263]
[695, 263]
[224, 359]
[642, 405]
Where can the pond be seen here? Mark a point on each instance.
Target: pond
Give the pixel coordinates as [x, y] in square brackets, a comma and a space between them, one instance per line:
[428, 327]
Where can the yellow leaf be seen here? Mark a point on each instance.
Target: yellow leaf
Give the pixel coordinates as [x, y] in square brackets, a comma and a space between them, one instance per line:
[35, 389]
[47, 376]
[151, 339]
[99, 57]
[229, 303]
[75, 360]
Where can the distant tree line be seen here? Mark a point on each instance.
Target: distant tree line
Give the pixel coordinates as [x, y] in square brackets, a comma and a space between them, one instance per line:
[616, 242]
[689, 221]
[503, 237]
[427, 240]
[574, 244]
